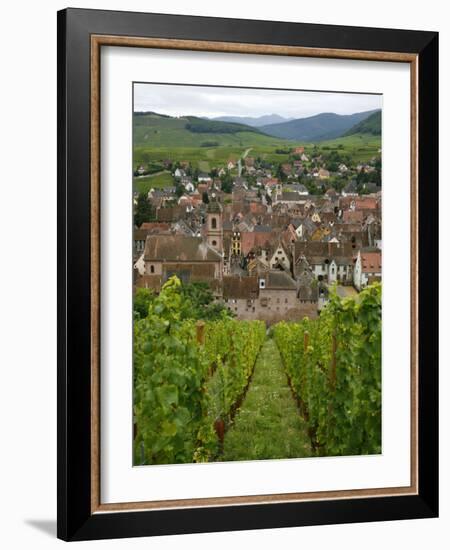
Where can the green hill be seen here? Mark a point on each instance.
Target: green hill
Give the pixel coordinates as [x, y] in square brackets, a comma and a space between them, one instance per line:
[370, 125]
[155, 130]
[315, 128]
[256, 122]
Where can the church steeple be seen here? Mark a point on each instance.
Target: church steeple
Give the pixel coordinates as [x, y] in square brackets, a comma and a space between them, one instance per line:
[214, 225]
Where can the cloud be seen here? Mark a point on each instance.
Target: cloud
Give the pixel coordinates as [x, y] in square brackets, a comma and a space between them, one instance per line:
[211, 101]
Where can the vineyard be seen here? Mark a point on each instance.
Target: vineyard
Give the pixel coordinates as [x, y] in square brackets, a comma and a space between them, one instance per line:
[189, 379]
[195, 398]
[334, 369]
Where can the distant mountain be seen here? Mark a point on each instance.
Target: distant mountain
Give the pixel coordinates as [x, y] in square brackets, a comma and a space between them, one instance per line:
[370, 125]
[316, 128]
[156, 130]
[257, 122]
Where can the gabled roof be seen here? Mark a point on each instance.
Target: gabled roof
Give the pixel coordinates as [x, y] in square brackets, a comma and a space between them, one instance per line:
[370, 260]
[352, 216]
[251, 239]
[290, 196]
[240, 287]
[179, 248]
[262, 229]
[154, 226]
[279, 280]
[351, 187]
[318, 251]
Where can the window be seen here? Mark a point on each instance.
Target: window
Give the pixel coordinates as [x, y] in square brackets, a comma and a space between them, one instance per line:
[214, 243]
[213, 223]
[152, 269]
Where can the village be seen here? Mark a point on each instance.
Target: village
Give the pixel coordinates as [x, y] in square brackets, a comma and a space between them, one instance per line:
[269, 239]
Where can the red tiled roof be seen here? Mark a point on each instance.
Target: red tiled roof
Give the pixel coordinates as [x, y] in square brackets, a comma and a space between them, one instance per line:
[371, 262]
[149, 226]
[250, 239]
[366, 203]
[351, 216]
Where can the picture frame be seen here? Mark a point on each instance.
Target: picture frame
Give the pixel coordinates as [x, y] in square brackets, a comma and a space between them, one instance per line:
[81, 36]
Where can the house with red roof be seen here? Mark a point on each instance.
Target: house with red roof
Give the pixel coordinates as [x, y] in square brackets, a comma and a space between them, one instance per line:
[367, 267]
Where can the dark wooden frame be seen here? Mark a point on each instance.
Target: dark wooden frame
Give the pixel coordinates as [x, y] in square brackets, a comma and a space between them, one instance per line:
[81, 33]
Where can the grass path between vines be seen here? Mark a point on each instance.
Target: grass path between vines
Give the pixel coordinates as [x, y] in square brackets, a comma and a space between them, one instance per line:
[268, 424]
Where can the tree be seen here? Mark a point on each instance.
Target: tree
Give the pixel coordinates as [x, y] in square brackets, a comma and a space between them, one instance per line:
[196, 302]
[143, 211]
[142, 300]
[280, 174]
[227, 183]
[179, 189]
[338, 183]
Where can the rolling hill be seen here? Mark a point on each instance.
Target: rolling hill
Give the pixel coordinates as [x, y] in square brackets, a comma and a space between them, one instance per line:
[256, 122]
[320, 127]
[156, 130]
[370, 125]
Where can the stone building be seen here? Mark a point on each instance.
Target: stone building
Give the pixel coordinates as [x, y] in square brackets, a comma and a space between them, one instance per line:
[191, 259]
[271, 296]
[329, 261]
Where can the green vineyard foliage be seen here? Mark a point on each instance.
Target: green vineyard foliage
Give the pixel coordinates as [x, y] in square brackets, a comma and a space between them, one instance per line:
[334, 367]
[232, 348]
[183, 385]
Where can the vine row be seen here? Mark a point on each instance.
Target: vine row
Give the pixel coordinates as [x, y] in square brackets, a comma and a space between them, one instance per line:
[333, 365]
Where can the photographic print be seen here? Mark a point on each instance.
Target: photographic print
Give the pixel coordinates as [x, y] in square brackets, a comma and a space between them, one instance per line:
[257, 267]
[232, 351]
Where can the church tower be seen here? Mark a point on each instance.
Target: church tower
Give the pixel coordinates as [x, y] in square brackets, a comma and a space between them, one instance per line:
[214, 225]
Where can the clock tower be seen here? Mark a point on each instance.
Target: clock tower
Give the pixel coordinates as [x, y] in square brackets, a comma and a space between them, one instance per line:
[214, 226]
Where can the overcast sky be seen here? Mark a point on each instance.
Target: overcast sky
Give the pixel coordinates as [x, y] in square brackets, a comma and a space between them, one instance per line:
[207, 101]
